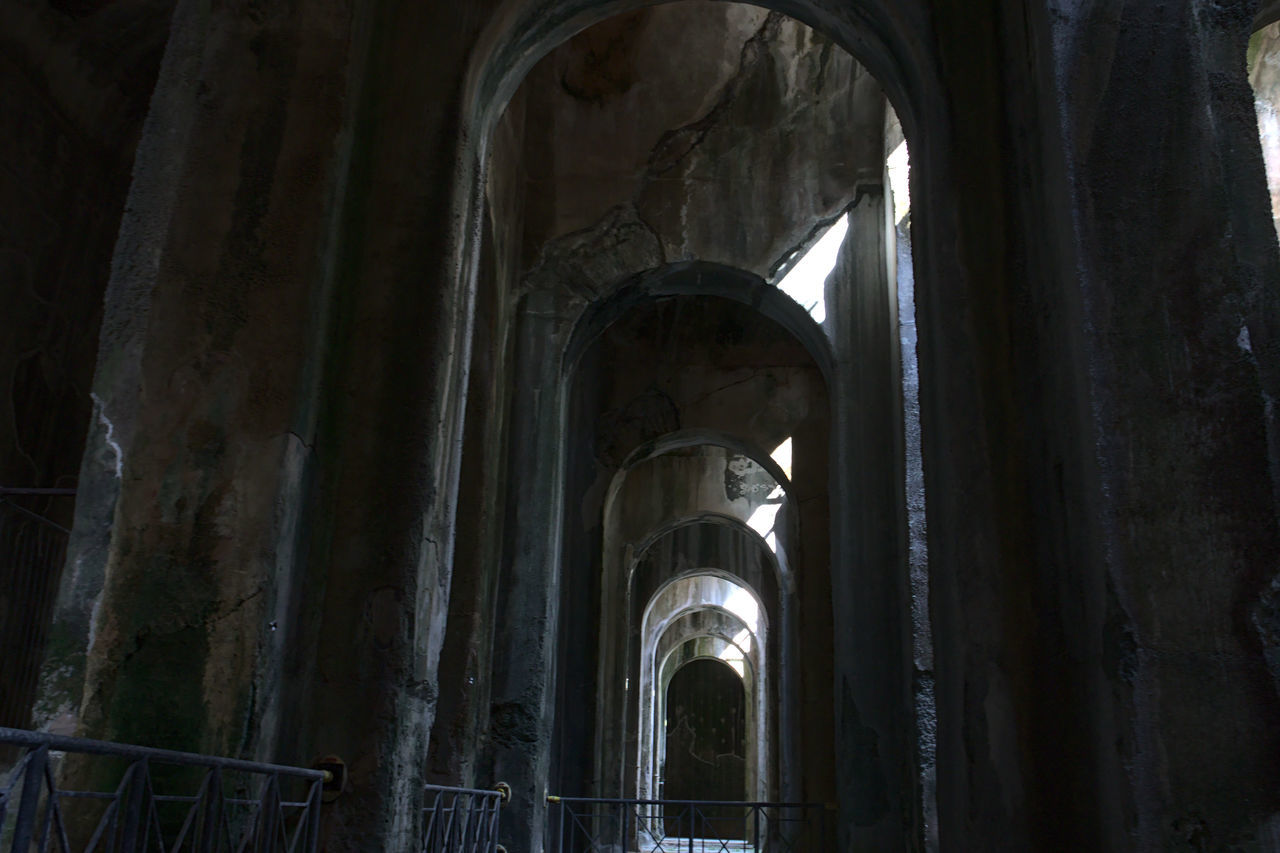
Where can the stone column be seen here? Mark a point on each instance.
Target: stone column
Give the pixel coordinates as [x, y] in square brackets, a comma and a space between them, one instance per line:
[868, 571]
[784, 754]
[279, 398]
[528, 596]
[391, 424]
[1175, 271]
[187, 532]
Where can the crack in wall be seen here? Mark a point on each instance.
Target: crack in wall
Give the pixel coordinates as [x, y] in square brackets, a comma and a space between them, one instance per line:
[101, 409]
[585, 262]
[669, 151]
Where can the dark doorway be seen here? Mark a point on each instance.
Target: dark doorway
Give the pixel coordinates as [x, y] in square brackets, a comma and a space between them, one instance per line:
[706, 741]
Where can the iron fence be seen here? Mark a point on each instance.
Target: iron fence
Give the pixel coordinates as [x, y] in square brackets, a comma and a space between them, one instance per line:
[161, 801]
[32, 550]
[597, 825]
[463, 820]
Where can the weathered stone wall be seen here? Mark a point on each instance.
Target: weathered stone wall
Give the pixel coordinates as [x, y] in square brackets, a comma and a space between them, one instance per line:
[457, 751]
[730, 155]
[1172, 286]
[189, 518]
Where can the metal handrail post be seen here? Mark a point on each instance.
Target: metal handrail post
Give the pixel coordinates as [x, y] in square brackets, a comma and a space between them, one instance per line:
[451, 815]
[268, 811]
[33, 777]
[561, 845]
[55, 810]
[463, 821]
[50, 805]
[133, 815]
[313, 816]
[430, 833]
[209, 826]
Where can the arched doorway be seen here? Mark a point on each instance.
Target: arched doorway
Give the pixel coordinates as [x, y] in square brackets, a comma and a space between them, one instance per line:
[705, 744]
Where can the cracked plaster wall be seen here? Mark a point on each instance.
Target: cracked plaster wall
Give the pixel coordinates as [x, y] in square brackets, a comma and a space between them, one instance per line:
[763, 133]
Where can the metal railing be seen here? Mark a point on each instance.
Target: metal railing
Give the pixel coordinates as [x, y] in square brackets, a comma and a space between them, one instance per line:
[463, 820]
[32, 550]
[160, 800]
[597, 825]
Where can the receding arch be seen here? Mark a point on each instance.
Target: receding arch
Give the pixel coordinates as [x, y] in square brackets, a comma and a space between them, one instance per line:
[754, 735]
[715, 589]
[699, 278]
[523, 31]
[706, 602]
[519, 48]
[681, 439]
[628, 634]
[663, 517]
[1268, 14]
[767, 555]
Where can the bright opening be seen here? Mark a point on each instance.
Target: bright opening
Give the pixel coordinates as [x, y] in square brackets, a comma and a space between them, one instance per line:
[735, 654]
[762, 521]
[782, 455]
[899, 166]
[743, 604]
[765, 518]
[1264, 75]
[806, 282]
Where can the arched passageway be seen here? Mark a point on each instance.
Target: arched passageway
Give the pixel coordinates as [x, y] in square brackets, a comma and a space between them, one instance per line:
[620, 347]
[700, 609]
[674, 505]
[704, 733]
[323, 450]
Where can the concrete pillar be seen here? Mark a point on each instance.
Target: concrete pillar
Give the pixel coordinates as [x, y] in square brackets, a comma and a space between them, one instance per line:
[528, 598]
[268, 491]
[868, 571]
[363, 675]
[784, 753]
[1173, 276]
[187, 533]
[1096, 360]
[926, 718]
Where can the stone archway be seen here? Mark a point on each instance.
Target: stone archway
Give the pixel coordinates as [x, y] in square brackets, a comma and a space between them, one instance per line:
[705, 703]
[874, 694]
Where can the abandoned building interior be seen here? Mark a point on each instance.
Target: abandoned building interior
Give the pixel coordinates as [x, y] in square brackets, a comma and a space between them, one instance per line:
[859, 403]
